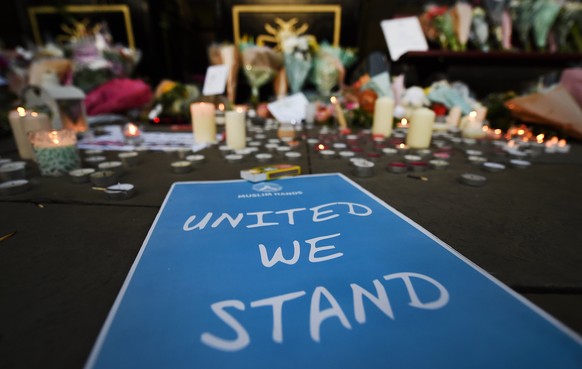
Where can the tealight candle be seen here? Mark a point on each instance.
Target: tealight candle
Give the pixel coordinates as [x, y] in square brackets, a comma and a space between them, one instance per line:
[94, 161]
[411, 158]
[420, 131]
[281, 150]
[383, 116]
[120, 191]
[347, 154]
[235, 129]
[327, 154]
[103, 178]
[195, 159]
[363, 168]
[476, 160]
[389, 151]
[55, 151]
[129, 159]
[438, 164]
[233, 158]
[132, 134]
[474, 180]
[263, 157]
[14, 187]
[397, 167]
[292, 155]
[13, 170]
[181, 167]
[114, 166]
[271, 147]
[493, 167]
[81, 175]
[224, 150]
[520, 164]
[418, 166]
[203, 123]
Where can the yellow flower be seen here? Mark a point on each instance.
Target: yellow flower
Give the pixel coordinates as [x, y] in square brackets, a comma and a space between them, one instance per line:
[164, 86]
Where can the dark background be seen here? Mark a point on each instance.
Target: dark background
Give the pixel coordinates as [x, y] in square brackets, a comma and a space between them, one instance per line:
[174, 35]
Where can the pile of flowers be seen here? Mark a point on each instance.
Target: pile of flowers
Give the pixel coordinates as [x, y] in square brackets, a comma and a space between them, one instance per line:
[545, 25]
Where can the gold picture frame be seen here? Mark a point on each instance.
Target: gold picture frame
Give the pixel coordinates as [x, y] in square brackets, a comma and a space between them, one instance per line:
[35, 11]
[336, 10]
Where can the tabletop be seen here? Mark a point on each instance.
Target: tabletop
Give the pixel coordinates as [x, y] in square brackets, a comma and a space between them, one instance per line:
[73, 247]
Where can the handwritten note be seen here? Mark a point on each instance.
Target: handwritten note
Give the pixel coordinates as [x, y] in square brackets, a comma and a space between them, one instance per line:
[403, 35]
[289, 109]
[215, 80]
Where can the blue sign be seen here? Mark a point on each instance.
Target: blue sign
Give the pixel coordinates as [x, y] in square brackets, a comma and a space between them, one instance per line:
[314, 272]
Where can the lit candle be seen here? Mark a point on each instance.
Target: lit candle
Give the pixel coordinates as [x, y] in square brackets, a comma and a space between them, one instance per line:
[420, 131]
[473, 127]
[132, 134]
[22, 122]
[236, 137]
[383, 116]
[203, 123]
[339, 113]
[563, 147]
[55, 151]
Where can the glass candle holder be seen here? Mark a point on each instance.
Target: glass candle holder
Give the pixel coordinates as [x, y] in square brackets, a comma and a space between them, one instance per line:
[55, 151]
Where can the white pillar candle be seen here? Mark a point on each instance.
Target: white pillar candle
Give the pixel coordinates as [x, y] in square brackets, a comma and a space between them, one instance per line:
[339, 113]
[236, 137]
[420, 131]
[203, 123]
[22, 122]
[383, 116]
[453, 117]
[481, 113]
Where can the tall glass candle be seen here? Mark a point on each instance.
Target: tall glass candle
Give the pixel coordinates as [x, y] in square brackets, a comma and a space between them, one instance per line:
[420, 131]
[22, 122]
[383, 116]
[203, 122]
[55, 151]
[236, 137]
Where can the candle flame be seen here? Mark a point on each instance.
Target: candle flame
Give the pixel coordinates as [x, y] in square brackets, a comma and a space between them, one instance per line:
[21, 111]
[497, 131]
[333, 99]
[54, 137]
[485, 128]
[240, 110]
[132, 129]
[320, 146]
[404, 121]
[520, 132]
[401, 146]
[473, 114]
[562, 143]
[221, 107]
[540, 138]
[34, 114]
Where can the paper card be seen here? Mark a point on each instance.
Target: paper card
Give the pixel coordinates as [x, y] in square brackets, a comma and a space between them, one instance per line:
[215, 81]
[403, 35]
[313, 272]
[289, 109]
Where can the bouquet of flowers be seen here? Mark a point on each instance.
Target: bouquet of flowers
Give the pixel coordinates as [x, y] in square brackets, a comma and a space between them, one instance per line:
[298, 51]
[329, 67]
[260, 64]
